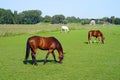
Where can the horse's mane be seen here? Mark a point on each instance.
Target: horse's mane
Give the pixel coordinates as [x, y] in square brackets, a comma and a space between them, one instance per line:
[59, 44]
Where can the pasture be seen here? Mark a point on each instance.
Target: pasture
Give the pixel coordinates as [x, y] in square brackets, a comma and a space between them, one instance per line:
[82, 61]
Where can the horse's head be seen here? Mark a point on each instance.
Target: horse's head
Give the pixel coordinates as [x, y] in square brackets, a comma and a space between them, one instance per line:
[61, 56]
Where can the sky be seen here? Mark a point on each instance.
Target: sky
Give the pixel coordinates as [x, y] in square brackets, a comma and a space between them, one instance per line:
[77, 8]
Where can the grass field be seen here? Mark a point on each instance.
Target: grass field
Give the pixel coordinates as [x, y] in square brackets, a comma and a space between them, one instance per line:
[81, 61]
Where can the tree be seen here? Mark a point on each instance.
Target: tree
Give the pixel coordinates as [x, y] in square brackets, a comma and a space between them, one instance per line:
[47, 18]
[15, 17]
[113, 19]
[56, 19]
[2, 14]
[73, 19]
[85, 21]
[6, 16]
[117, 21]
[30, 17]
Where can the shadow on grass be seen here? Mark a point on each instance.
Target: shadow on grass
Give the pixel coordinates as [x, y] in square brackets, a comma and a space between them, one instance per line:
[39, 61]
[85, 42]
[91, 43]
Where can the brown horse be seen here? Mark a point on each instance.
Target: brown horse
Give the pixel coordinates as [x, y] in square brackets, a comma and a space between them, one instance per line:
[97, 34]
[43, 43]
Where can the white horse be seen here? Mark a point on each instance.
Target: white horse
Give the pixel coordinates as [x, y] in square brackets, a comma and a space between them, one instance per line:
[64, 28]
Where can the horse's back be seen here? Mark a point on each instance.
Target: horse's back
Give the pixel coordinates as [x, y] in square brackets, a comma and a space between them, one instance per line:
[44, 43]
[43, 39]
[34, 39]
[94, 32]
[64, 27]
[99, 33]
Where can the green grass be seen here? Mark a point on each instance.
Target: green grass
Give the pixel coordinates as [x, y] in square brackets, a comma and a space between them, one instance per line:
[81, 62]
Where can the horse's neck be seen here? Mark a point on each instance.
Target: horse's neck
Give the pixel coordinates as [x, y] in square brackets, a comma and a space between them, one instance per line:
[60, 50]
[102, 36]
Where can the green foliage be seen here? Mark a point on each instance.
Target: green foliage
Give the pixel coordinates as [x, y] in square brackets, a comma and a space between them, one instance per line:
[25, 17]
[6, 16]
[15, 18]
[85, 21]
[113, 19]
[117, 21]
[30, 16]
[57, 19]
[47, 19]
[73, 19]
[34, 17]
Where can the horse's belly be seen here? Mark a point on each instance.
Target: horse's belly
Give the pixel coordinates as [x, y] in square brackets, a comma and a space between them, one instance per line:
[43, 48]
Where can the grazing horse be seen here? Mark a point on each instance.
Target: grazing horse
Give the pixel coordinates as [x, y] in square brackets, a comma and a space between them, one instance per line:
[97, 34]
[64, 28]
[43, 43]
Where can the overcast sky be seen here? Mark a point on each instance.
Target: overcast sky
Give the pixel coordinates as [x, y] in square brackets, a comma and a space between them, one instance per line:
[77, 8]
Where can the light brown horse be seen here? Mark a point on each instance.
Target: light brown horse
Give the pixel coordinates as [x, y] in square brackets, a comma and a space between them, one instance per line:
[43, 43]
[97, 34]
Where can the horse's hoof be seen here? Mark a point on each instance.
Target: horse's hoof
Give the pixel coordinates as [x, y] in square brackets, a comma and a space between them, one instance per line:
[35, 64]
[60, 62]
[25, 62]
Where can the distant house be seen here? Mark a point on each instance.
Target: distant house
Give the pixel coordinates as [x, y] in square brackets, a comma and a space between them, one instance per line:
[92, 22]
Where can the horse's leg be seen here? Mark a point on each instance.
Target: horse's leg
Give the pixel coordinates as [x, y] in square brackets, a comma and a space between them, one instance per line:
[33, 54]
[95, 40]
[49, 51]
[89, 40]
[46, 57]
[98, 39]
[54, 56]
[34, 59]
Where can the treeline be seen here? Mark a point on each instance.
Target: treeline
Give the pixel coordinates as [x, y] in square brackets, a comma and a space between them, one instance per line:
[34, 17]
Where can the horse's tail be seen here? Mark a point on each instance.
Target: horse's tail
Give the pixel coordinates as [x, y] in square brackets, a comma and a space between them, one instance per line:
[27, 50]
